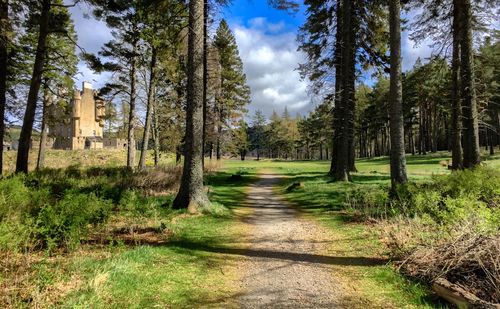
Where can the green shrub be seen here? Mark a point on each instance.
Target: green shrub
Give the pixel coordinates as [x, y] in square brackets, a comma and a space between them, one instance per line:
[55, 207]
[14, 196]
[463, 196]
[129, 201]
[64, 222]
[368, 203]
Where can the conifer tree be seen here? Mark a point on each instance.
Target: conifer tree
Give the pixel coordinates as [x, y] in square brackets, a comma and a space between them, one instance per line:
[163, 25]
[191, 193]
[234, 93]
[4, 51]
[121, 57]
[397, 158]
[47, 18]
[257, 132]
[240, 142]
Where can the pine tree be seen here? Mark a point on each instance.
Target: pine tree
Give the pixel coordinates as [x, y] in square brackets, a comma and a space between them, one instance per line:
[191, 193]
[397, 158]
[122, 55]
[43, 9]
[48, 19]
[234, 93]
[60, 68]
[240, 141]
[472, 153]
[257, 132]
[162, 28]
[4, 52]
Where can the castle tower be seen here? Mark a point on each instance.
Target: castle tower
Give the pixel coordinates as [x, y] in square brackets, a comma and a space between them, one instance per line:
[77, 107]
[84, 128]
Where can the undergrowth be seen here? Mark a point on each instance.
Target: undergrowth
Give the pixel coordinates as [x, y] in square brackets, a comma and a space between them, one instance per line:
[448, 227]
[55, 208]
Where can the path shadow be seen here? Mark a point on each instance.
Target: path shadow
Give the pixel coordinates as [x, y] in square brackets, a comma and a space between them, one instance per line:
[281, 255]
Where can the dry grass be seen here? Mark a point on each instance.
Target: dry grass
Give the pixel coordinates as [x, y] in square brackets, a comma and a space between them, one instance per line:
[212, 166]
[27, 281]
[163, 180]
[82, 158]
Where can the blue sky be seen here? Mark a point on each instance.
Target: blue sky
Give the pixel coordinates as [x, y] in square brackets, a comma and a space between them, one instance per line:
[267, 42]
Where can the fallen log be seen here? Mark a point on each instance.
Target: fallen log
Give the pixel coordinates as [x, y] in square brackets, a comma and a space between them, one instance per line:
[459, 296]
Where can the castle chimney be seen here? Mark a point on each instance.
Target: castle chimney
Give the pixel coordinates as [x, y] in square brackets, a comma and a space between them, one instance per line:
[86, 85]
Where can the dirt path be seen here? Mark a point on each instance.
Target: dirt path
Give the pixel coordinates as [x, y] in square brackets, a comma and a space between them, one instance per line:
[284, 265]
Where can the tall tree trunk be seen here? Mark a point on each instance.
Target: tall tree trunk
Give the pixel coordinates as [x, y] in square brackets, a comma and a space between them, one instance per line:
[149, 110]
[219, 134]
[43, 133]
[456, 149]
[192, 194]
[472, 154]
[351, 27]
[345, 155]
[343, 47]
[205, 79]
[490, 141]
[156, 134]
[36, 80]
[4, 47]
[131, 118]
[398, 160]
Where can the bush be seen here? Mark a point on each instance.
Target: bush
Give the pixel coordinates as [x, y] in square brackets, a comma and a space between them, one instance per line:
[446, 200]
[64, 222]
[368, 204]
[14, 196]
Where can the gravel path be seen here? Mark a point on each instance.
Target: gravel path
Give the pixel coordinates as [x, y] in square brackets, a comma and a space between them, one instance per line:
[283, 265]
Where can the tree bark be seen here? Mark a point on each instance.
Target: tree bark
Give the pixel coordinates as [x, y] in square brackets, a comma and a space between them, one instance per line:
[192, 194]
[149, 110]
[398, 160]
[131, 149]
[347, 99]
[456, 149]
[4, 47]
[156, 134]
[205, 79]
[36, 79]
[472, 154]
[43, 133]
[219, 134]
[338, 110]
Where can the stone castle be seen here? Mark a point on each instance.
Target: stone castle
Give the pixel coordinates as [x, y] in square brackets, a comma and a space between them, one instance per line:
[84, 128]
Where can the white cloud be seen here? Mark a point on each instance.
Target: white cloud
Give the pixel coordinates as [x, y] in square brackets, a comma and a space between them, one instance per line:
[92, 34]
[411, 52]
[270, 59]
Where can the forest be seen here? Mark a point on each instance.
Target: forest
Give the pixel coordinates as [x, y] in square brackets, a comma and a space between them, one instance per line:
[173, 184]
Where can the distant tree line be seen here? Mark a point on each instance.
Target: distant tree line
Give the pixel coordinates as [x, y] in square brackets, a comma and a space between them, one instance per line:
[342, 39]
[427, 114]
